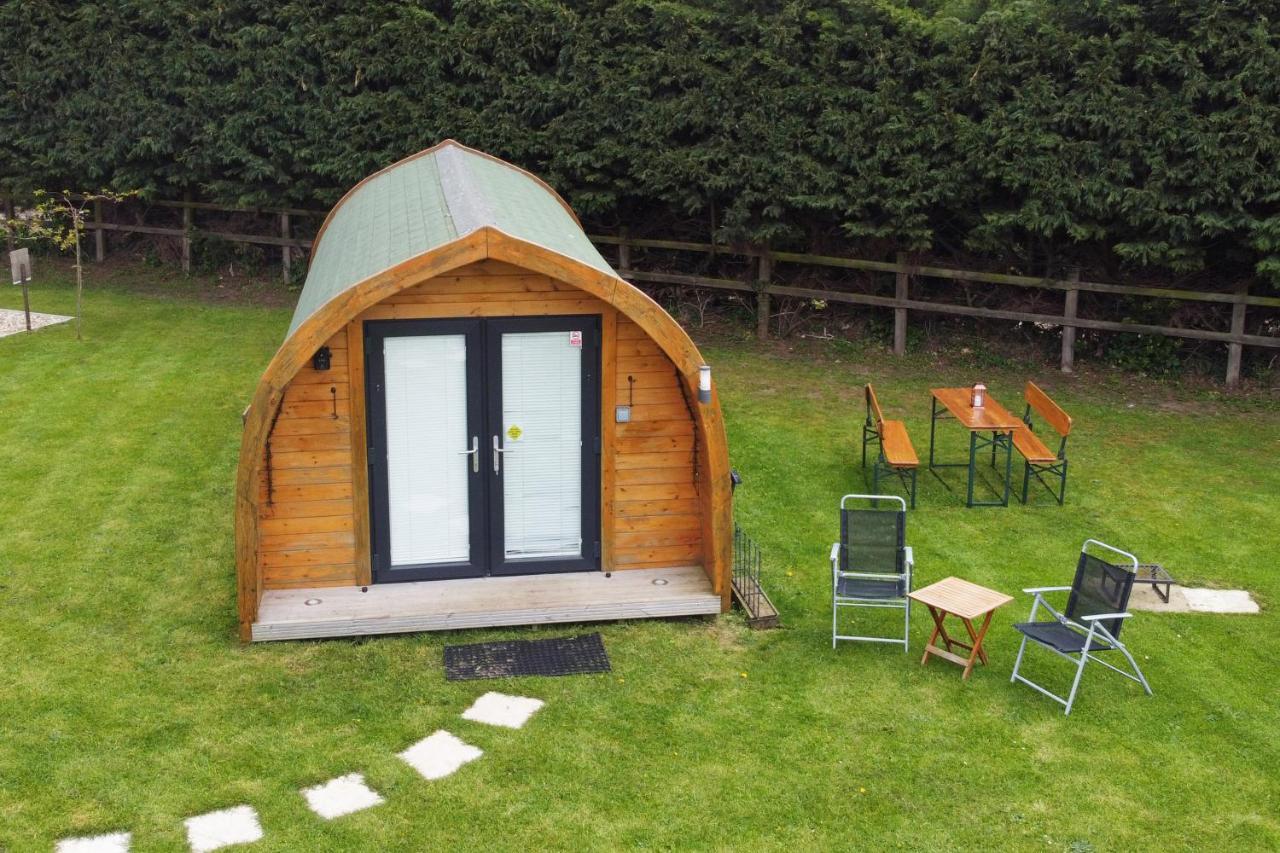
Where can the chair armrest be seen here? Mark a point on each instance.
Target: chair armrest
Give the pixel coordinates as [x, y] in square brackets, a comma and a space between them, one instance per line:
[835, 552]
[1098, 616]
[909, 557]
[1037, 590]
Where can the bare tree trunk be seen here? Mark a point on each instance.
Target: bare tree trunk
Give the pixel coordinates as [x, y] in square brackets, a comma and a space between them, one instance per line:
[79, 277]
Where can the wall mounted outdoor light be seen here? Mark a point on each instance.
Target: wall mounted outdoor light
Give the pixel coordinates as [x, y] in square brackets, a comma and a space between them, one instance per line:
[322, 359]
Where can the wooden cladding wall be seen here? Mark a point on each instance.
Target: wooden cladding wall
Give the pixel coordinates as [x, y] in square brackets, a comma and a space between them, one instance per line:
[306, 498]
[657, 520]
[314, 523]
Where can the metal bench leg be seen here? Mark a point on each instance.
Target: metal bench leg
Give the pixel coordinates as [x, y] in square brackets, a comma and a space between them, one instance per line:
[913, 488]
[1062, 490]
[933, 425]
[1008, 465]
[973, 452]
[1026, 479]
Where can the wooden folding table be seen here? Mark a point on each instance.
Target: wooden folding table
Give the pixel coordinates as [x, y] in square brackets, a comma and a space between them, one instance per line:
[990, 417]
[966, 601]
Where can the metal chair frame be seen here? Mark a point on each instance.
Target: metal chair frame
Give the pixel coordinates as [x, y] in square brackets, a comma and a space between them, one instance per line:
[1094, 629]
[838, 601]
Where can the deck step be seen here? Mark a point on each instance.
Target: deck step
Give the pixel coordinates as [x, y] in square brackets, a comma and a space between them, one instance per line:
[449, 605]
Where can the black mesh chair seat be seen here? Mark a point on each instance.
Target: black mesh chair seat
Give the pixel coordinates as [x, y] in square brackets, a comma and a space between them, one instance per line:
[1061, 637]
[870, 588]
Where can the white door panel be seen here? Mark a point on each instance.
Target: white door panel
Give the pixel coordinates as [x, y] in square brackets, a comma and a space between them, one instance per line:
[542, 434]
[427, 476]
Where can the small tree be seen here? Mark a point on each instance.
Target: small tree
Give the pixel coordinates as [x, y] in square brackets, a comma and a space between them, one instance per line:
[59, 218]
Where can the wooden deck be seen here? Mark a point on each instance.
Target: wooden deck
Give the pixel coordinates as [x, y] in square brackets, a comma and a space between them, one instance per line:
[483, 603]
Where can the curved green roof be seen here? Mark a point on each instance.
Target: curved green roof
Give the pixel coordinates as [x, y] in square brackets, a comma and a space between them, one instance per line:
[426, 201]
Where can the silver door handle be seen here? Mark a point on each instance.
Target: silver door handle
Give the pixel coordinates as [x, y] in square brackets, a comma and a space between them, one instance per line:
[498, 449]
[474, 453]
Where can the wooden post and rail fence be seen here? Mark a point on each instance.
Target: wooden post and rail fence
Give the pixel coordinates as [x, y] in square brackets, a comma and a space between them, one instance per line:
[286, 241]
[904, 271]
[765, 289]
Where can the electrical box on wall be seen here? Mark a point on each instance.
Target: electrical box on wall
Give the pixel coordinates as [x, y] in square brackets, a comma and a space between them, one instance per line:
[622, 414]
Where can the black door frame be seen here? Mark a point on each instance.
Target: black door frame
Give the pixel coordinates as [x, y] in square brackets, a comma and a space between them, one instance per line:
[484, 420]
[589, 325]
[375, 332]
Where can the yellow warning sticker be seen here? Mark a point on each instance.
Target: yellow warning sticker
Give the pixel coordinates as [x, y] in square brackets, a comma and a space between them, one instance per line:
[514, 432]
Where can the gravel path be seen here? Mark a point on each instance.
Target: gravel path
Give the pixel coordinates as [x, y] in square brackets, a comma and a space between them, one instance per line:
[12, 322]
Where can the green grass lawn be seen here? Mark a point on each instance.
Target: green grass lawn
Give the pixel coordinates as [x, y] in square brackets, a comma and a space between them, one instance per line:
[128, 703]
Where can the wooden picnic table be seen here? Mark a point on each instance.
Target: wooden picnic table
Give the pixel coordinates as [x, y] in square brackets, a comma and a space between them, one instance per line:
[966, 601]
[990, 417]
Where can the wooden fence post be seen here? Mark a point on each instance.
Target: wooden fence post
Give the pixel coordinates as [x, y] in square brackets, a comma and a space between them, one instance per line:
[286, 251]
[624, 251]
[1069, 306]
[99, 234]
[900, 314]
[1236, 351]
[764, 274]
[188, 221]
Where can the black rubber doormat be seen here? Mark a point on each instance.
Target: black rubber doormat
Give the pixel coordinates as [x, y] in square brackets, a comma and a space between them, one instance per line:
[557, 656]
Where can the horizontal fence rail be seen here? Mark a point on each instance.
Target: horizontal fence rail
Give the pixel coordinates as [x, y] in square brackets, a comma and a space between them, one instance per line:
[282, 217]
[763, 288]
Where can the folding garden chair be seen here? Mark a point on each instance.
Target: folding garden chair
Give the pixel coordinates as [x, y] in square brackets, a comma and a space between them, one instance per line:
[1091, 622]
[871, 564]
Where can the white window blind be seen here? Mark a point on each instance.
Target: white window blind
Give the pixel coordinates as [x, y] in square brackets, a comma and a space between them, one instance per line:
[542, 431]
[427, 477]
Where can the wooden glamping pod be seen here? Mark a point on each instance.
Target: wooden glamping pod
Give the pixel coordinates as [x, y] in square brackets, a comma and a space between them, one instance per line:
[441, 442]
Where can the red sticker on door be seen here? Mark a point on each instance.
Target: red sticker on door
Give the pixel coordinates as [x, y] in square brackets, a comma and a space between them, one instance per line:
[575, 339]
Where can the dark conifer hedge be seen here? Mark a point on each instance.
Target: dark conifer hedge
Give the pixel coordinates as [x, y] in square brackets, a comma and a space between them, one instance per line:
[1134, 136]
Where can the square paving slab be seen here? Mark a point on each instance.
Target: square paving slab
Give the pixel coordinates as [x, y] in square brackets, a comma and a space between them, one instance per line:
[499, 709]
[341, 796]
[116, 842]
[439, 755]
[215, 830]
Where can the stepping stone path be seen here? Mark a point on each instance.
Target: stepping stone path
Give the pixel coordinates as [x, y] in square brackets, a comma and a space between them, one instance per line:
[116, 842]
[438, 755]
[238, 825]
[341, 796]
[498, 709]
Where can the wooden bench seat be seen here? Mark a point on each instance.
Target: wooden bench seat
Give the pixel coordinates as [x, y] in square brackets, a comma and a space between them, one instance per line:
[1031, 447]
[897, 455]
[896, 445]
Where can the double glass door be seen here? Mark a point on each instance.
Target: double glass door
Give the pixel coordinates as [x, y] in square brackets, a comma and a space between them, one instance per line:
[483, 446]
